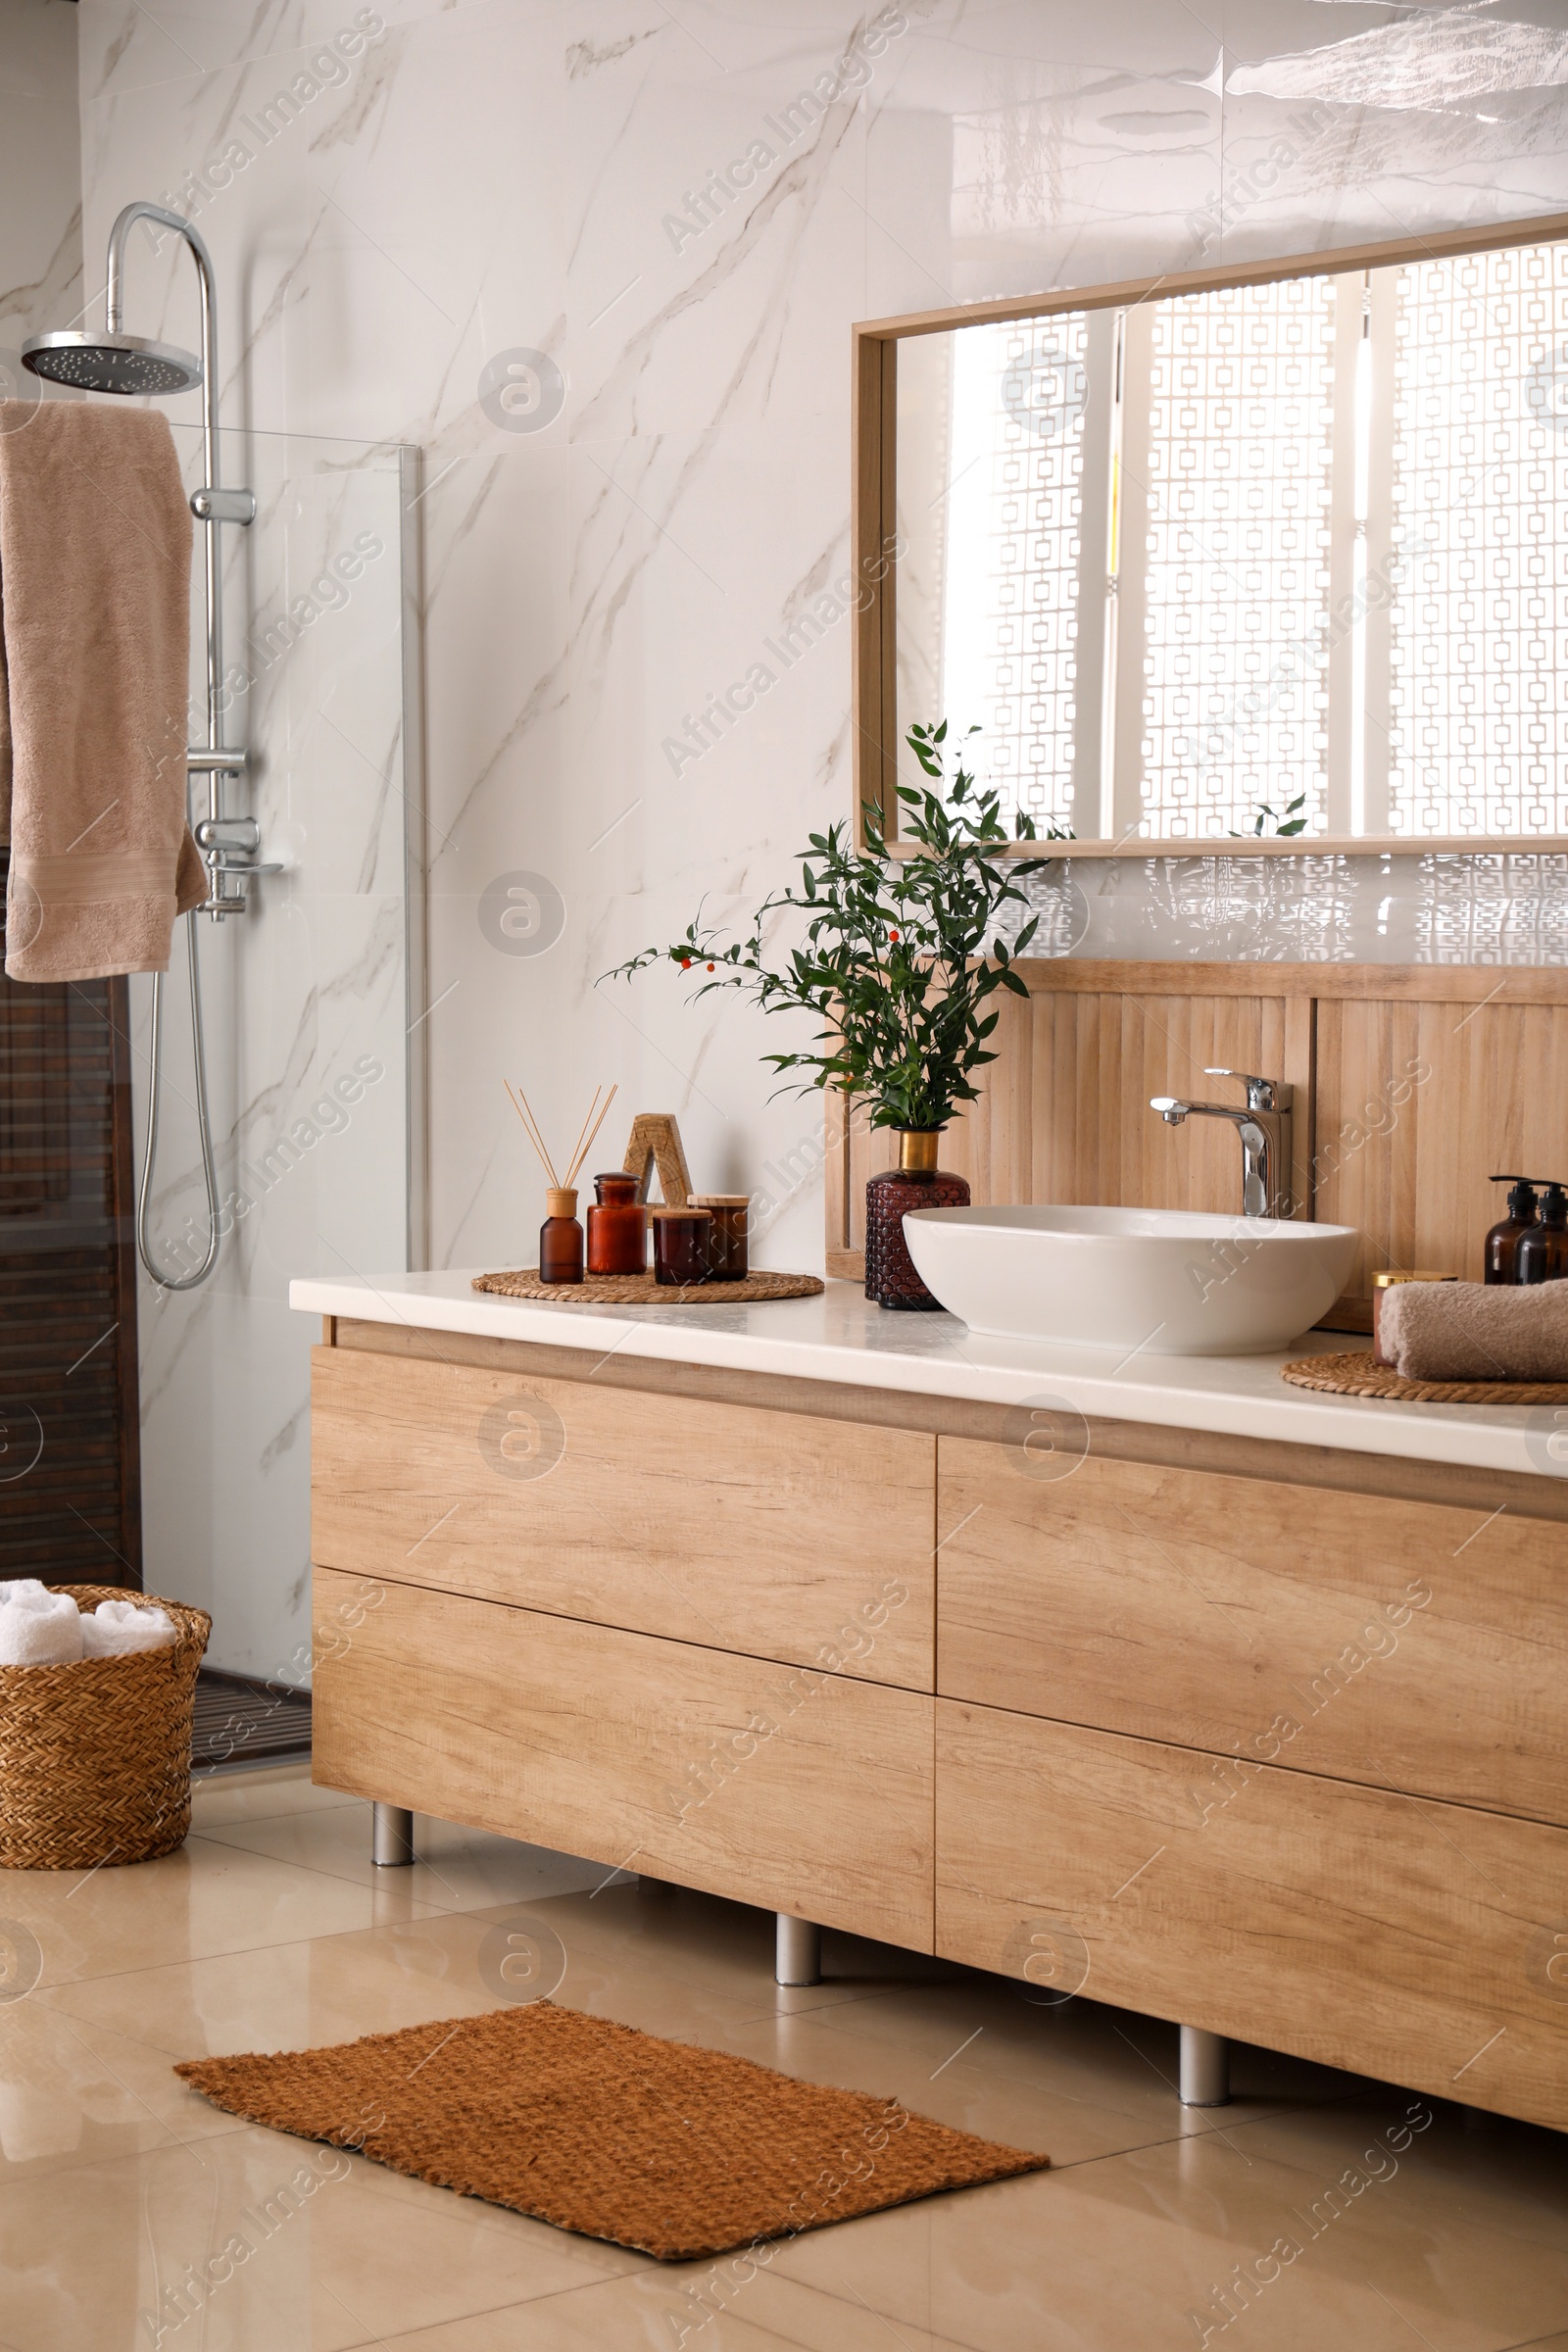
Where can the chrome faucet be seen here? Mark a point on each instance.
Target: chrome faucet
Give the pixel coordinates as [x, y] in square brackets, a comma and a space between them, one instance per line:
[1264, 1128]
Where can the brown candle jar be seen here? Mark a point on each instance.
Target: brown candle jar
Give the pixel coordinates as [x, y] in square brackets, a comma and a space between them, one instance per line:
[560, 1239]
[915, 1182]
[683, 1239]
[618, 1227]
[730, 1213]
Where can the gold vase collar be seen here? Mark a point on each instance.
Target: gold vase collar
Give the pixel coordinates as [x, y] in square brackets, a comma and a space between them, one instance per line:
[917, 1150]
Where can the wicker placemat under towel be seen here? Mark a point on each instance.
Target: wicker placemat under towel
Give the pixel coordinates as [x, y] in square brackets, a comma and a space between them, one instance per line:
[600, 2129]
[641, 1290]
[1362, 1375]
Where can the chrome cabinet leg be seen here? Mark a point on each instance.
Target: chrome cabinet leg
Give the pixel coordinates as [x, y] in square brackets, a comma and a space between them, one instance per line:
[798, 1951]
[391, 1835]
[1205, 2069]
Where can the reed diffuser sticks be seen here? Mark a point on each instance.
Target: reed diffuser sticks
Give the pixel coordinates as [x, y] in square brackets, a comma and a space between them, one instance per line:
[585, 1135]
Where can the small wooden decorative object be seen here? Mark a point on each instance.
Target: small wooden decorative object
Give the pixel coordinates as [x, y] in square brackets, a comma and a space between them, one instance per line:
[656, 1142]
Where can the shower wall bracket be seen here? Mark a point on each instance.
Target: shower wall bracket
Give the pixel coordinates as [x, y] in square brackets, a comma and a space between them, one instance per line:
[230, 846]
[224, 506]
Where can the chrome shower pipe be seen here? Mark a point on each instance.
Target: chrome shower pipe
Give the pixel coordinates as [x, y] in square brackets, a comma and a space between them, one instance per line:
[209, 505]
[210, 521]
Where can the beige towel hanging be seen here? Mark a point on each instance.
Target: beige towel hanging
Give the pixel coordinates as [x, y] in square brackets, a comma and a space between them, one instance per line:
[95, 546]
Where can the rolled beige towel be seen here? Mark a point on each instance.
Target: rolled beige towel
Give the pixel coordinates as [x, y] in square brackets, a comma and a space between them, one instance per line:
[1476, 1330]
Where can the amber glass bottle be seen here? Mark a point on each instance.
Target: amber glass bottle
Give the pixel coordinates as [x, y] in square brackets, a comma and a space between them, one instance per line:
[1542, 1252]
[1500, 1248]
[618, 1227]
[915, 1182]
[560, 1239]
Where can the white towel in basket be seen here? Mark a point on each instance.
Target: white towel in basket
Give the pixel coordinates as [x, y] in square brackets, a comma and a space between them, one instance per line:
[120, 1628]
[37, 1626]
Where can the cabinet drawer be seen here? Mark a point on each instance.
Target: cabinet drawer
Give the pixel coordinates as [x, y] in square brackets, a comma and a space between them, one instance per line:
[786, 1788]
[1403, 1938]
[1413, 1645]
[770, 1532]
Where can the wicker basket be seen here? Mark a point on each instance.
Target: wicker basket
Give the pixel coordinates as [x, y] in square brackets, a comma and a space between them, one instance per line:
[95, 1756]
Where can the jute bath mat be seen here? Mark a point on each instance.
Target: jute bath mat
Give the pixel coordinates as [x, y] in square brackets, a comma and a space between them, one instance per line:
[1362, 1375]
[675, 2151]
[641, 1290]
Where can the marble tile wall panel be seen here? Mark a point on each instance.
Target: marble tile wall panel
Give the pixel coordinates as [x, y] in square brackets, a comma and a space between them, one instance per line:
[40, 181]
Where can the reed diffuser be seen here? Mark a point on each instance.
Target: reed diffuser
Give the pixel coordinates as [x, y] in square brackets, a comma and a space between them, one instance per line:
[560, 1235]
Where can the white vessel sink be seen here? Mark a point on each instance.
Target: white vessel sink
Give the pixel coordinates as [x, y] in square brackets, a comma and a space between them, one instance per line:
[1170, 1282]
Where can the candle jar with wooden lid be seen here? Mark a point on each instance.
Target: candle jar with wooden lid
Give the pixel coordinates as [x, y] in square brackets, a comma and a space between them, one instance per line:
[731, 1212]
[683, 1240]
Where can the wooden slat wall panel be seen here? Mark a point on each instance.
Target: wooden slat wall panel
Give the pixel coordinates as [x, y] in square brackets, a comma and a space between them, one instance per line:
[35, 1101]
[993, 1145]
[1480, 1095]
[1414, 1084]
[1369, 1139]
[70, 1506]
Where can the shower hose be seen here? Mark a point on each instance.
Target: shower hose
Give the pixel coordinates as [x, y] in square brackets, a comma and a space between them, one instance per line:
[185, 1282]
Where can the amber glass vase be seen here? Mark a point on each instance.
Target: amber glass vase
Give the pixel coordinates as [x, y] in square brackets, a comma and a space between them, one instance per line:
[915, 1182]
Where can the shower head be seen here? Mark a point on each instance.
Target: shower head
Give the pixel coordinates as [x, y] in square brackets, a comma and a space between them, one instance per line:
[108, 362]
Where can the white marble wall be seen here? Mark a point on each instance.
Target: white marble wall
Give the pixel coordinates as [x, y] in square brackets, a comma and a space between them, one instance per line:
[500, 175]
[40, 179]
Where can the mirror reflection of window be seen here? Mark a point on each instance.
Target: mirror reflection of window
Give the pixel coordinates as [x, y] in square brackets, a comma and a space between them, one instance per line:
[1478, 546]
[1282, 559]
[1227, 441]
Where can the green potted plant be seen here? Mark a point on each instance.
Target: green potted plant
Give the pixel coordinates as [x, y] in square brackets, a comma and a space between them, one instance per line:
[892, 958]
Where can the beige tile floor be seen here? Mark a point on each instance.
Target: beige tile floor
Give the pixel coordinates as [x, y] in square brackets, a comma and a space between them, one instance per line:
[270, 1930]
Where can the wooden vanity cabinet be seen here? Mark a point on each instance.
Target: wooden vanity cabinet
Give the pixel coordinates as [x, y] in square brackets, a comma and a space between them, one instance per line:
[700, 1520]
[1254, 1737]
[780, 1785]
[1413, 1645]
[1409, 1941]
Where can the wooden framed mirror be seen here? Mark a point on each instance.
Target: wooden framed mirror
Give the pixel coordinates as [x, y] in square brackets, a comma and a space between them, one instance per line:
[1270, 560]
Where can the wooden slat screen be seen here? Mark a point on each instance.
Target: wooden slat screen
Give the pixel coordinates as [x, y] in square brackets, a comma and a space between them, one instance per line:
[69, 1476]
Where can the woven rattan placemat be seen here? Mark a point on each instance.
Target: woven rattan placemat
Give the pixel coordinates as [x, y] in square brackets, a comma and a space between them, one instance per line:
[1362, 1375]
[641, 1290]
[597, 2127]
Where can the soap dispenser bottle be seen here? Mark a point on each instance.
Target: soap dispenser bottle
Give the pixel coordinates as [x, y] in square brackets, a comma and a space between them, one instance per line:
[1499, 1248]
[1542, 1255]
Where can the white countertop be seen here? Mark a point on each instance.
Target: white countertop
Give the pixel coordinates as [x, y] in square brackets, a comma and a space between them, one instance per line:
[842, 1337]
